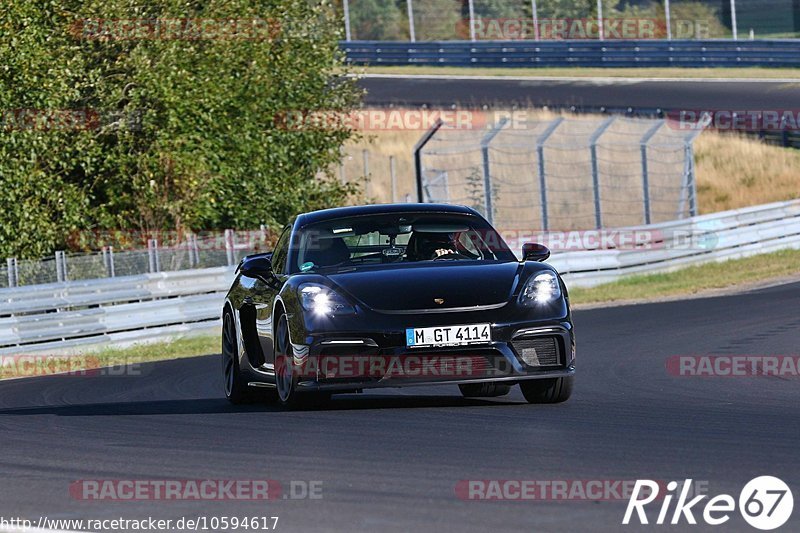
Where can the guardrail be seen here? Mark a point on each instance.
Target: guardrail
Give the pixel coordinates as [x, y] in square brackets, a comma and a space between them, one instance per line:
[677, 244]
[622, 53]
[58, 316]
[55, 316]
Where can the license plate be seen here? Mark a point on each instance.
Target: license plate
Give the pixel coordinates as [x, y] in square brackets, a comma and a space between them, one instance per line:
[448, 335]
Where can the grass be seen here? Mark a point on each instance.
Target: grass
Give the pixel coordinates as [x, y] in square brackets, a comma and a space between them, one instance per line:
[682, 73]
[693, 280]
[26, 365]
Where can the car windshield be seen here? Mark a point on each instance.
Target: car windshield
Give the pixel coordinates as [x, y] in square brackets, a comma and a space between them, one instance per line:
[397, 238]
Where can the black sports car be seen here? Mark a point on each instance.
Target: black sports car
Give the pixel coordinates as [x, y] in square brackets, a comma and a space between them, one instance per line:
[396, 295]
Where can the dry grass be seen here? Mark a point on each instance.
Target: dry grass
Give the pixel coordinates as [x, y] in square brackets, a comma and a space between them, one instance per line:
[732, 172]
[737, 172]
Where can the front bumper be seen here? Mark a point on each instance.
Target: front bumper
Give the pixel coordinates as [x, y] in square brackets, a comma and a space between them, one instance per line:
[345, 360]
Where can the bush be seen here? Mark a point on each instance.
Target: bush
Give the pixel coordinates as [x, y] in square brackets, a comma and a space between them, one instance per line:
[172, 133]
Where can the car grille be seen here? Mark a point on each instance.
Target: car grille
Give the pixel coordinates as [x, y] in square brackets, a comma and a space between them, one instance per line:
[538, 351]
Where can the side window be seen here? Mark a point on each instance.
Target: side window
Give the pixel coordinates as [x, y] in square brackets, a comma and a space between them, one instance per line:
[281, 251]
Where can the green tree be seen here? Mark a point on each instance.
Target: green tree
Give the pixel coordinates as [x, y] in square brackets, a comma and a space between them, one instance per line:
[187, 130]
[377, 20]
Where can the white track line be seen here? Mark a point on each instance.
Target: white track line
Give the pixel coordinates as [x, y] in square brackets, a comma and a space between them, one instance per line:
[586, 79]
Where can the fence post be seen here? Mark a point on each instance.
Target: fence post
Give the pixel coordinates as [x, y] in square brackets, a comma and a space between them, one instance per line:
[645, 172]
[61, 266]
[689, 185]
[669, 19]
[418, 155]
[487, 175]
[471, 4]
[365, 159]
[347, 34]
[152, 255]
[229, 247]
[108, 260]
[194, 251]
[598, 215]
[691, 182]
[411, 32]
[600, 31]
[535, 13]
[733, 20]
[393, 174]
[13, 279]
[542, 174]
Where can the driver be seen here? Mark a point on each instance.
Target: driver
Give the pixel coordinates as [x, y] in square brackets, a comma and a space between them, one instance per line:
[433, 245]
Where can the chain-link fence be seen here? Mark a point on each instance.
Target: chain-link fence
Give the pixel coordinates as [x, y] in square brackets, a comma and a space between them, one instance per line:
[564, 173]
[209, 250]
[481, 20]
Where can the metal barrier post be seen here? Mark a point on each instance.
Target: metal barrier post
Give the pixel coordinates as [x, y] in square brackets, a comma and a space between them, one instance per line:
[645, 171]
[487, 175]
[542, 174]
[418, 156]
[598, 215]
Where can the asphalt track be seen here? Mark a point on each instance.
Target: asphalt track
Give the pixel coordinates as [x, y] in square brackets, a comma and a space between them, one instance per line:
[646, 95]
[389, 461]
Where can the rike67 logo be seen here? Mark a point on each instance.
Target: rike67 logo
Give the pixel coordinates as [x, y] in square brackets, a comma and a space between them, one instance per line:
[765, 503]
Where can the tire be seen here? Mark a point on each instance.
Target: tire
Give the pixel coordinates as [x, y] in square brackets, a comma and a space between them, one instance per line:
[236, 390]
[484, 390]
[554, 390]
[286, 377]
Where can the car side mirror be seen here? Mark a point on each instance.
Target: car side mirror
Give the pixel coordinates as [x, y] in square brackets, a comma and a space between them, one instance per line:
[533, 251]
[258, 265]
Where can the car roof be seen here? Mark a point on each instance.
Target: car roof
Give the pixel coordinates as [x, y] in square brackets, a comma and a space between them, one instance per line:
[379, 209]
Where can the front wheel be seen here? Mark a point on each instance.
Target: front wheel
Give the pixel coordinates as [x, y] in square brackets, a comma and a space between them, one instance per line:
[553, 390]
[235, 388]
[286, 374]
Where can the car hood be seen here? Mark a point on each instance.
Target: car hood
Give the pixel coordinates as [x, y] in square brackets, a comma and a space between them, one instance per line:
[413, 287]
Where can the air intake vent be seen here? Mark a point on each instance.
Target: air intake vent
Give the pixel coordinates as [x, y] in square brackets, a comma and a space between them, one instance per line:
[538, 351]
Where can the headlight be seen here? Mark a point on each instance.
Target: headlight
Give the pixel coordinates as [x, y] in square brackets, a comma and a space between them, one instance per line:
[321, 300]
[540, 289]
